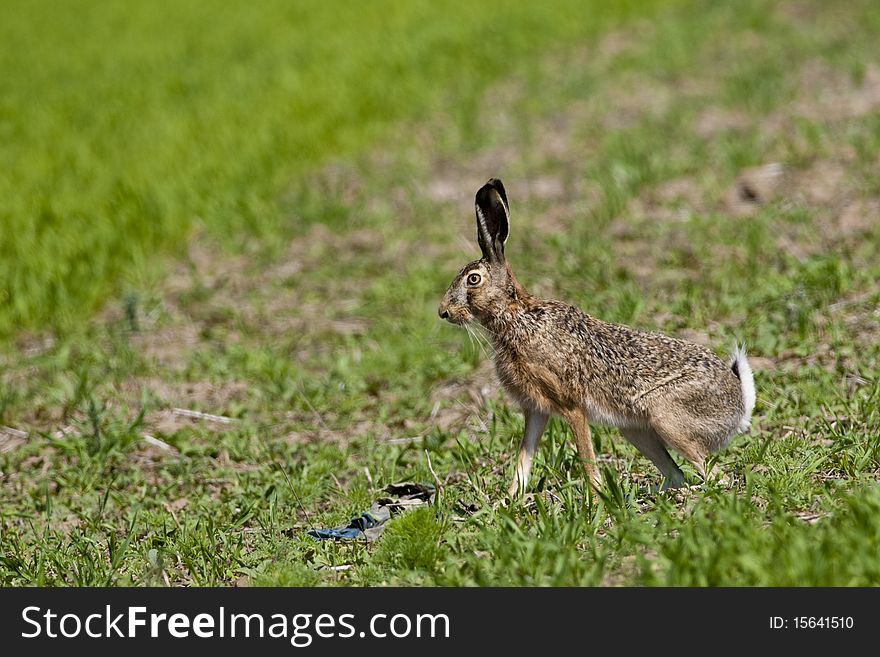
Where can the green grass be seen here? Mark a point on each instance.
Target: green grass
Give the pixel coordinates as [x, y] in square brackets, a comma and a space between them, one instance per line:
[122, 127]
[304, 308]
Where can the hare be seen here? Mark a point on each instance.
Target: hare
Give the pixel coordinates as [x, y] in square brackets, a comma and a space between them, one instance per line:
[553, 359]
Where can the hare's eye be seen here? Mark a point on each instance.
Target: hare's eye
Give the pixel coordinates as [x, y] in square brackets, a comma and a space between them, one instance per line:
[474, 279]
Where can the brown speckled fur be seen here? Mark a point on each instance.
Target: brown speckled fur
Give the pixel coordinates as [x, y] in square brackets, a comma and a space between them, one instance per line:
[553, 359]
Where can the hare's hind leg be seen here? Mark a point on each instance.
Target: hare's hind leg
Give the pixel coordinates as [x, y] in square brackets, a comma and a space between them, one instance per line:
[577, 420]
[535, 424]
[688, 443]
[694, 423]
[650, 444]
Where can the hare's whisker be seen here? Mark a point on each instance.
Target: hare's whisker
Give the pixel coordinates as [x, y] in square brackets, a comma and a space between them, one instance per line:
[480, 341]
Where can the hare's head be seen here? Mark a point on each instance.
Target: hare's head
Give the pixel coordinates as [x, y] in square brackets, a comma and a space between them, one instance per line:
[484, 288]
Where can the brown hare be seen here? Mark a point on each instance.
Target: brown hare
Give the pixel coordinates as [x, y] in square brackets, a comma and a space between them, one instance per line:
[553, 359]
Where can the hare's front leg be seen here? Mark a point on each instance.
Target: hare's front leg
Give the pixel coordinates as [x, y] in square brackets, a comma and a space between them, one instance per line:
[535, 424]
[577, 420]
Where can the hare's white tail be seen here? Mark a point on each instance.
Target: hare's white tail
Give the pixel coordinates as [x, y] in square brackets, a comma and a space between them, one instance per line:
[740, 366]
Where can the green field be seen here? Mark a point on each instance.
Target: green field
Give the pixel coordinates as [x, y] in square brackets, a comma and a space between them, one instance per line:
[253, 212]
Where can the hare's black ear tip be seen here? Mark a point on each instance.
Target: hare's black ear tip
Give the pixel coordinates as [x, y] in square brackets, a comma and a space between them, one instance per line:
[496, 185]
[493, 183]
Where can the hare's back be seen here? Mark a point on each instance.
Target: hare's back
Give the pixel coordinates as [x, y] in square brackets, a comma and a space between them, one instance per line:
[631, 356]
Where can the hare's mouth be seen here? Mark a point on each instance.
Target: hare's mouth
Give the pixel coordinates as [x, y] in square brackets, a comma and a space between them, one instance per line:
[459, 319]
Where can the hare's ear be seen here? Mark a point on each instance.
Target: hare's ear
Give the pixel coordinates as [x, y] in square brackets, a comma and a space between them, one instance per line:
[493, 220]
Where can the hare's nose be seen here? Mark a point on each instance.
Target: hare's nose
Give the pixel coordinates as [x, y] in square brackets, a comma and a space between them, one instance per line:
[444, 314]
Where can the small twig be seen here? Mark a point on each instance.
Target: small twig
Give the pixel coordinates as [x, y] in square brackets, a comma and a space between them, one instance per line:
[15, 433]
[404, 441]
[155, 442]
[369, 476]
[222, 419]
[174, 517]
[338, 483]
[436, 478]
